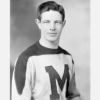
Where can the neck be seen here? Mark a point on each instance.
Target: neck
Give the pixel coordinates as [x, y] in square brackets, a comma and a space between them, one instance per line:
[49, 44]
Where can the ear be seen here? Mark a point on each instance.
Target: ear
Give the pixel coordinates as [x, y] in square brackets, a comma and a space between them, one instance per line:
[64, 22]
[38, 22]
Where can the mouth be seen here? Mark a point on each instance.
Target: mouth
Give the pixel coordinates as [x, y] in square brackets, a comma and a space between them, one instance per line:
[53, 33]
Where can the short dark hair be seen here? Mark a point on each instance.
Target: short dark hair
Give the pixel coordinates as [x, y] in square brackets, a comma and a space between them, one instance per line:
[50, 5]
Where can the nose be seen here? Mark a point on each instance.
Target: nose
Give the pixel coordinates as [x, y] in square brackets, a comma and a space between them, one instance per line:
[52, 27]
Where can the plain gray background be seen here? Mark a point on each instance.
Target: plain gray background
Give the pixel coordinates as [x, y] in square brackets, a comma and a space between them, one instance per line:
[75, 36]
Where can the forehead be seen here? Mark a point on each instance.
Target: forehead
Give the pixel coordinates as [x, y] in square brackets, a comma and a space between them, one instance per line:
[51, 15]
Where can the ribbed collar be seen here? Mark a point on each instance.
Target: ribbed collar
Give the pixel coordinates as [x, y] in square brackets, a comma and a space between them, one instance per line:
[44, 50]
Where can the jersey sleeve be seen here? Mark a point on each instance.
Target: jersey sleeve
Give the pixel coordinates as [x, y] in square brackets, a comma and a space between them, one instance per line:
[72, 91]
[23, 79]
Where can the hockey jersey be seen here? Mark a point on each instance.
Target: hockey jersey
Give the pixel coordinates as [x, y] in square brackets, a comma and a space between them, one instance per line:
[44, 74]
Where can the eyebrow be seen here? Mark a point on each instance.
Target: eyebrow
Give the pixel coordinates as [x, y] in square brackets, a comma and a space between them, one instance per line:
[49, 20]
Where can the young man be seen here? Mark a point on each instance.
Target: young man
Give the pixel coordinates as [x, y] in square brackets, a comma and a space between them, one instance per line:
[45, 71]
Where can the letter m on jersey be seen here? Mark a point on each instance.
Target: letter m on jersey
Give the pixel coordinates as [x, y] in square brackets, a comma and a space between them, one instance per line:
[55, 76]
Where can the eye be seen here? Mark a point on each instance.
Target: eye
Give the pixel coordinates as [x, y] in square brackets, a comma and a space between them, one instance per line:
[46, 21]
[58, 22]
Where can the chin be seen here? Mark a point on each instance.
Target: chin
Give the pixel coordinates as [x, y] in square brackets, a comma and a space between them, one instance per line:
[52, 39]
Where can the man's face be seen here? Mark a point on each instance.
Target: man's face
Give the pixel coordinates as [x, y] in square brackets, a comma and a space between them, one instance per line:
[51, 25]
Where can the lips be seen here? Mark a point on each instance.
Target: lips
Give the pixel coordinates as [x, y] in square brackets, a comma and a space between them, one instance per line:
[53, 34]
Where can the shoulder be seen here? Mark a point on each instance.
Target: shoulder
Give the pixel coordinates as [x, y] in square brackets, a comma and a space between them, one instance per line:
[21, 62]
[64, 51]
[21, 67]
[30, 51]
[68, 55]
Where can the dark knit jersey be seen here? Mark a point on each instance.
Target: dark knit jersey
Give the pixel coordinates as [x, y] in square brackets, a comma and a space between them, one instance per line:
[44, 74]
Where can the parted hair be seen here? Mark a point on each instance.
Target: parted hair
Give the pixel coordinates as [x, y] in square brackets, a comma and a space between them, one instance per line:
[50, 5]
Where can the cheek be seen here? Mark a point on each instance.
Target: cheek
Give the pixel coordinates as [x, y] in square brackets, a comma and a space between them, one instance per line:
[44, 28]
[59, 28]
